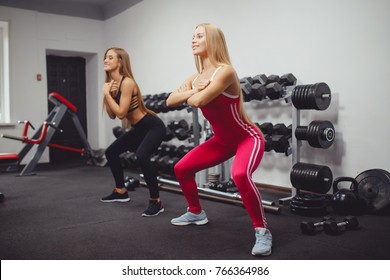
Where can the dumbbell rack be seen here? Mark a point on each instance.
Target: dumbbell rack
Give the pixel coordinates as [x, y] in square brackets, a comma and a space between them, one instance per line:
[295, 148]
[224, 168]
[202, 176]
[321, 134]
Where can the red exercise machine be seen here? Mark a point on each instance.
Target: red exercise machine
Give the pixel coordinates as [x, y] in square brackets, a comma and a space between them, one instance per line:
[44, 135]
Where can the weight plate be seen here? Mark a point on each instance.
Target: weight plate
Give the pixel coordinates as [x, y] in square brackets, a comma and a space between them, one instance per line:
[321, 96]
[307, 205]
[374, 189]
[308, 211]
[308, 200]
[311, 177]
[304, 207]
[320, 134]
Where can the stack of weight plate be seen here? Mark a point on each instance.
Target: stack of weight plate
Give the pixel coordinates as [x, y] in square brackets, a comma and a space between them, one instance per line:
[307, 204]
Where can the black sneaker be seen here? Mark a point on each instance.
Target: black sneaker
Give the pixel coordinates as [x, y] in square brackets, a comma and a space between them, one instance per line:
[154, 208]
[116, 197]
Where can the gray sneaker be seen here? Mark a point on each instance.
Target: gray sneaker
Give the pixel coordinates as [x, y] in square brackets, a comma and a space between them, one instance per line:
[190, 218]
[263, 245]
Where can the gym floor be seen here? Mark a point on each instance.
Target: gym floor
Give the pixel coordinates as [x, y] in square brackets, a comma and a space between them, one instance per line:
[57, 214]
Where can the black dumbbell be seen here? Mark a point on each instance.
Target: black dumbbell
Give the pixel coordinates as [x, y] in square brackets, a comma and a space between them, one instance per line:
[131, 183]
[153, 104]
[182, 134]
[260, 79]
[258, 91]
[180, 126]
[281, 144]
[288, 80]
[129, 159]
[211, 185]
[311, 177]
[319, 134]
[162, 106]
[334, 228]
[274, 91]
[168, 134]
[147, 100]
[246, 91]
[123, 161]
[268, 142]
[273, 79]
[231, 186]
[254, 88]
[147, 97]
[170, 165]
[162, 165]
[166, 164]
[154, 160]
[163, 95]
[170, 150]
[218, 186]
[182, 150]
[246, 80]
[228, 186]
[266, 128]
[281, 129]
[311, 228]
[315, 96]
[161, 150]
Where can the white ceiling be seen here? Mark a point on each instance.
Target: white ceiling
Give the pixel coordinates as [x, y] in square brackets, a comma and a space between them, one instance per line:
[94, 9]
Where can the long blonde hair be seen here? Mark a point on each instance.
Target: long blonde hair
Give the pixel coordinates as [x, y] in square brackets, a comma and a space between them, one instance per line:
[125, 70]
[219, 55]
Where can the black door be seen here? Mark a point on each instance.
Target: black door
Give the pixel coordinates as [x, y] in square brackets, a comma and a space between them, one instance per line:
[66, 76]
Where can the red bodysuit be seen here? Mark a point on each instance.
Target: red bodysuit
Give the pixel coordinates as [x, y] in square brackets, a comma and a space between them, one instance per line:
[233, 136]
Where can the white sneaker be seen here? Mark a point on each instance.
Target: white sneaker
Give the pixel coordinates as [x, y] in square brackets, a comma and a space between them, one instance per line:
[190, 218]
[263, 245]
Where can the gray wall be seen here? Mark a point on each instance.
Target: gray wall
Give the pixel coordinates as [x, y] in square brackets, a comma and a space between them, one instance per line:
[343, 43]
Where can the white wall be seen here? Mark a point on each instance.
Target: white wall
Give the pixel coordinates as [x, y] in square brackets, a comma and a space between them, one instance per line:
[343, 43]
[32, 36]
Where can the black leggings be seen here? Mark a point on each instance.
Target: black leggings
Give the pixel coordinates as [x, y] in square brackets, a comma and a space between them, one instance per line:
[143, 138]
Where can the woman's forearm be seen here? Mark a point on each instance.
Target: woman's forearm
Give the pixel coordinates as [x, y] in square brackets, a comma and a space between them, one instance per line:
[179, 97]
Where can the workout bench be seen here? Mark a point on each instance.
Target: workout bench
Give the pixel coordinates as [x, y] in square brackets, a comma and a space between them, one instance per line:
[44, 135]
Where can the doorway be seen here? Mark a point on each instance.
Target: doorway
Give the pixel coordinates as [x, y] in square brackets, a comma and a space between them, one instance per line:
[66, 76]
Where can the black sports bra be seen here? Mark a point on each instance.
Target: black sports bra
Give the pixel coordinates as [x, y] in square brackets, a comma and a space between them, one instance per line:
[134, 104]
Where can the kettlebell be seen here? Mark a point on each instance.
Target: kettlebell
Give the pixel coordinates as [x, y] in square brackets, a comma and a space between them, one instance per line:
[346, 201]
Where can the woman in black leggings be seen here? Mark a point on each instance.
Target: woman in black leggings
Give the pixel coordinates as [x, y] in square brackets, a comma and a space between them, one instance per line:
[123, 99]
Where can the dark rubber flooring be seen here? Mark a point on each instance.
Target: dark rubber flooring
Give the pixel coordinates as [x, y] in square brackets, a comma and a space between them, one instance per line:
[57, 214]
